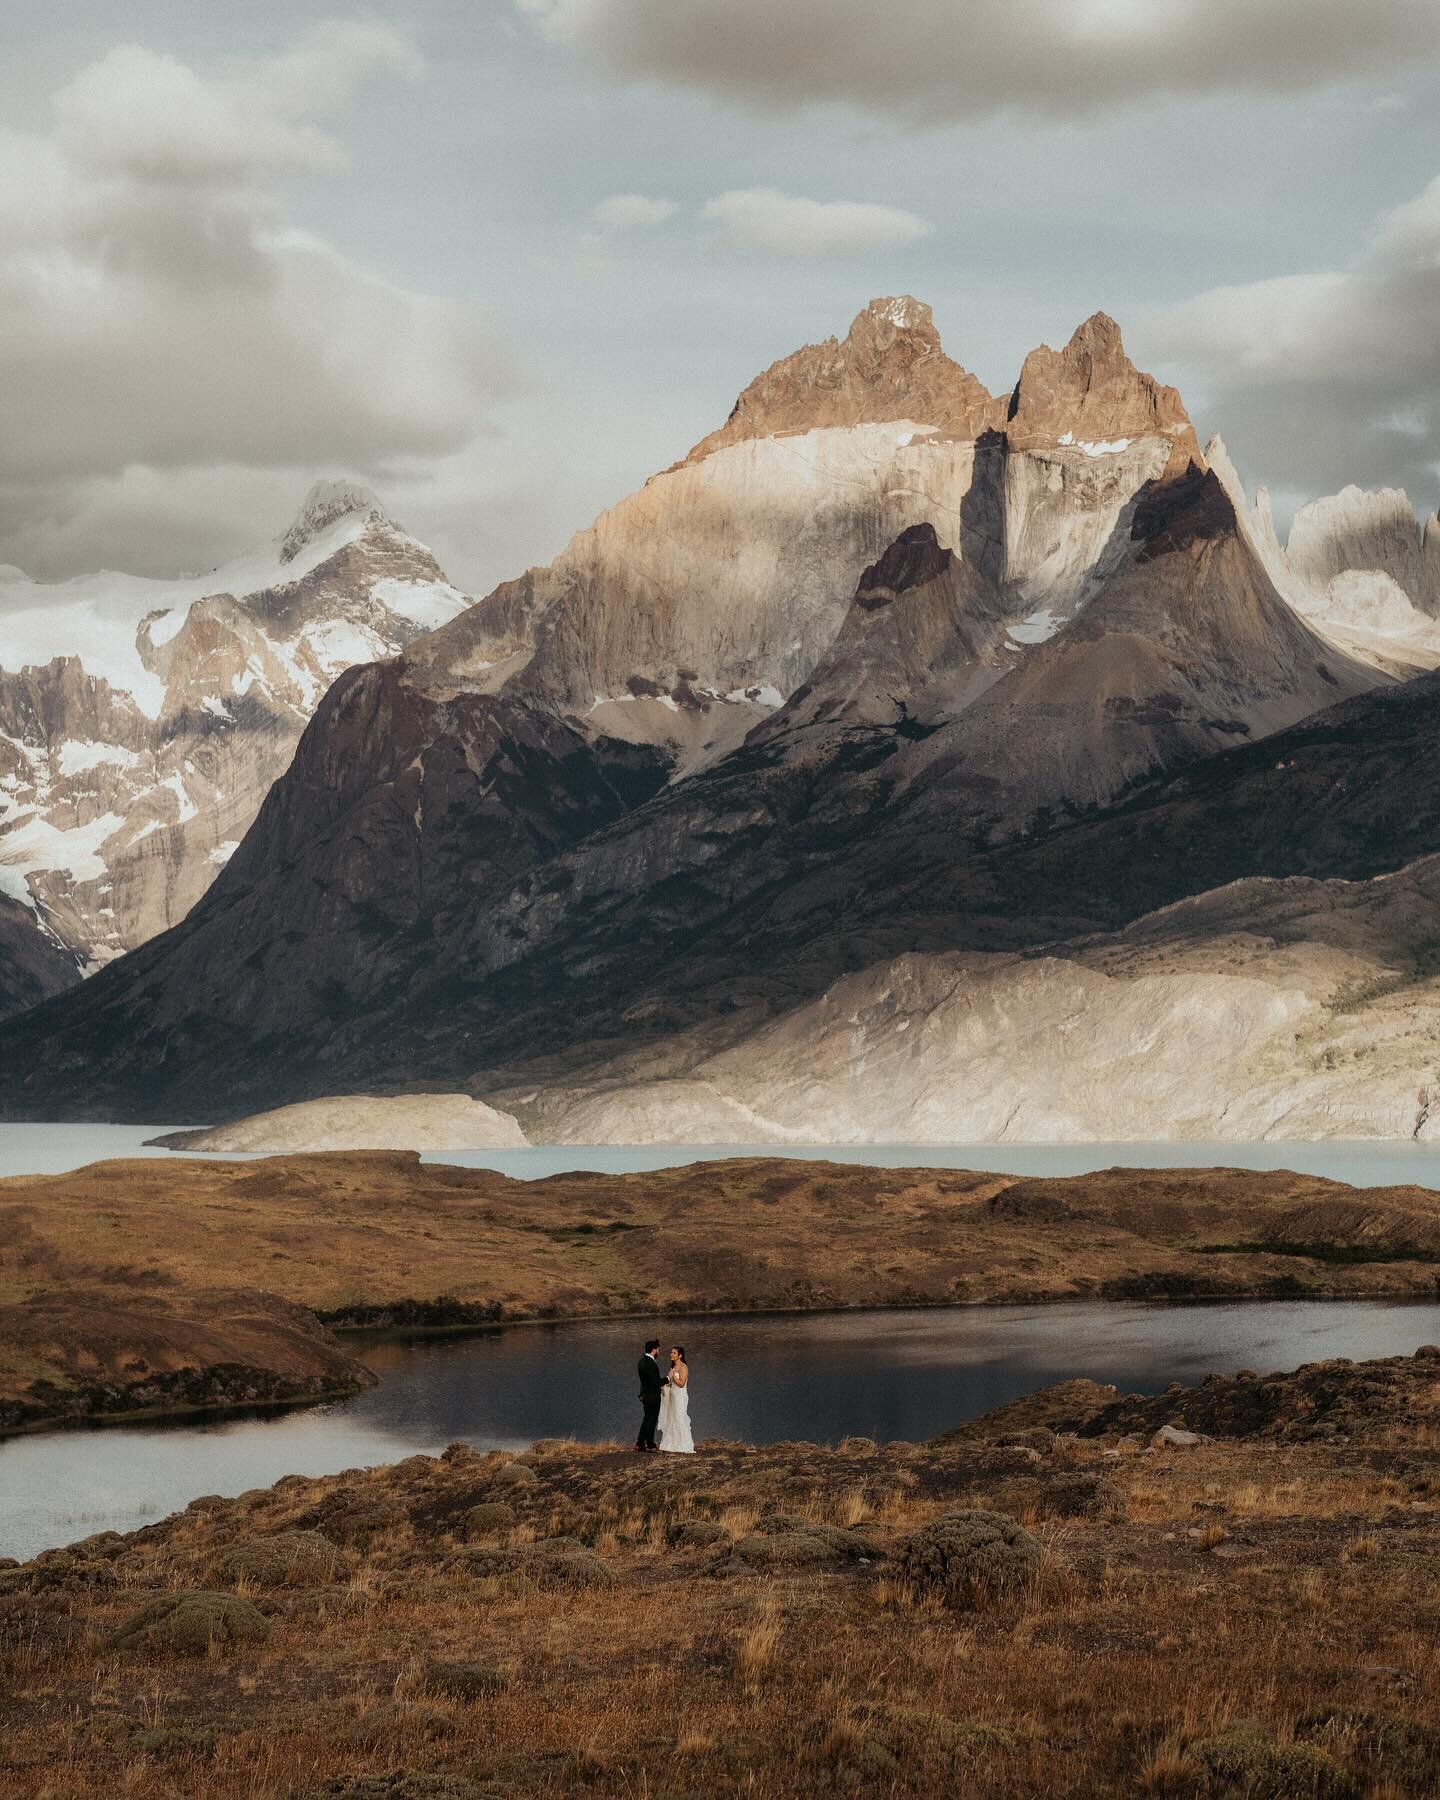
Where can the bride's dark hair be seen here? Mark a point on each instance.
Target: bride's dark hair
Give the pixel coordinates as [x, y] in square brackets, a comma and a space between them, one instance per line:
[681, 1349]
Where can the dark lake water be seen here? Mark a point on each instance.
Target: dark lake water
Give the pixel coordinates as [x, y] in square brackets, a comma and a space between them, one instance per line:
[817, 1376]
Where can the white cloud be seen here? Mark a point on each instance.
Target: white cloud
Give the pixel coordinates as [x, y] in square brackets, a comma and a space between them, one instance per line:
[1329, 377]
[787, 225]
[632, 212]
[955, 59]
[163, 329]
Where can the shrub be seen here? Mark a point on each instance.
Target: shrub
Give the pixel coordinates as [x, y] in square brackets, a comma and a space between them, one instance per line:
[190, 1622]
[969, 1556]
[1247, 1760]
[288, 1559]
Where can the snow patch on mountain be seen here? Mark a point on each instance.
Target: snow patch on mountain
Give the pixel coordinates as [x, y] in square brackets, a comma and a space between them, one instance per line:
[76, 755]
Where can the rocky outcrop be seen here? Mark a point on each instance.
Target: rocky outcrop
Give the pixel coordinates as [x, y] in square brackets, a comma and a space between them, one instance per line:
[1092, 396]
[133, 763]
[1390, 1399]
[926, 633]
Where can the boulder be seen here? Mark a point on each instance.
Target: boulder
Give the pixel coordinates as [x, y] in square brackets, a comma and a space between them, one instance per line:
[1173, 1437]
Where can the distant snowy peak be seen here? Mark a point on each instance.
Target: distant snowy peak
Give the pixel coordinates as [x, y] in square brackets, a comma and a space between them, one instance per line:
[1356, 529]
[142, 721]
[325, 505]
[1358, 565]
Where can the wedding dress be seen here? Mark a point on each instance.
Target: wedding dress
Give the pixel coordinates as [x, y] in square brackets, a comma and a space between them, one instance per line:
[675, 1420]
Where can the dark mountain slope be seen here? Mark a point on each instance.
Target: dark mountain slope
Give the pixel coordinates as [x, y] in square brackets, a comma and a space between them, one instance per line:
[32, 966]
[471, 989]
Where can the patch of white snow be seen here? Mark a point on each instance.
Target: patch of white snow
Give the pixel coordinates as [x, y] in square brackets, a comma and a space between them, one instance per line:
[77, 755]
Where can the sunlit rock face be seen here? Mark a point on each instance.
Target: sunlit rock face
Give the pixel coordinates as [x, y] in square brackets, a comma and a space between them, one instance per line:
[695, 607]
[141, 722]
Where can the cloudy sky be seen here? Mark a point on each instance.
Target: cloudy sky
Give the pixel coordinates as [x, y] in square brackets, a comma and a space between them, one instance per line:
[504, 258]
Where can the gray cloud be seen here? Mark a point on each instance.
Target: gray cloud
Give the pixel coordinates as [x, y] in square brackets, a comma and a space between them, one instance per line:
[1326, 378]
[152, 118]
[955, 59]
[157, 312]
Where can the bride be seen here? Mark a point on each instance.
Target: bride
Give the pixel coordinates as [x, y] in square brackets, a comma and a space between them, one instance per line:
[675, 1407]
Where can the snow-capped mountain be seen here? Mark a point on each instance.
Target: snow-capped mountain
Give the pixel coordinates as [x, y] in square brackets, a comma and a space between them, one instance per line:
[886, 665]
[142, 721]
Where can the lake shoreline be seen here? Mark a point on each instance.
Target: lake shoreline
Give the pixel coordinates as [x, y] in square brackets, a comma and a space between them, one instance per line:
[362, 1337]
[314, 1248]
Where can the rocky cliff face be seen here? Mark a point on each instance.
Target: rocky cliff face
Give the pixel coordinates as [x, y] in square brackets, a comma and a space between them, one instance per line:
[698, 605]
[141, 723]
[885, 667]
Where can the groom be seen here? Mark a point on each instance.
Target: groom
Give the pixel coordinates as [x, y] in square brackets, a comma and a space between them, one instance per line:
[652, 1385]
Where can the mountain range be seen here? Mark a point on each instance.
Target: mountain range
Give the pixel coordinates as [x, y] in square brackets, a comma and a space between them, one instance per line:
[904, 762]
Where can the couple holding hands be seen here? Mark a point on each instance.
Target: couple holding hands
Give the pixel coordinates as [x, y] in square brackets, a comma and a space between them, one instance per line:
[666, 1400]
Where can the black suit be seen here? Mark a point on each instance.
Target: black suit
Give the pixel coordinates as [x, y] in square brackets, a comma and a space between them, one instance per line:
[652, 1386]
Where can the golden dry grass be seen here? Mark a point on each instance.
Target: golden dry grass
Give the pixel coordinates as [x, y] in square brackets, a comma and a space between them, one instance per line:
[1226, 1610]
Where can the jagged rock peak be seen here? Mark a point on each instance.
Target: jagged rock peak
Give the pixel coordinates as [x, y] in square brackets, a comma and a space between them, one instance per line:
[916, 557]
[326, 504]
[890, 315]
[890, 366]
[1092, 395]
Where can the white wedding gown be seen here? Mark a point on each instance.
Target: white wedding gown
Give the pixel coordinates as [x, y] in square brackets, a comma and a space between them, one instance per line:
[675, 1420]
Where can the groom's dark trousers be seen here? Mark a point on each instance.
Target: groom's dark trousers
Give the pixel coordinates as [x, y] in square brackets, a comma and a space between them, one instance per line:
[652, 1385]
